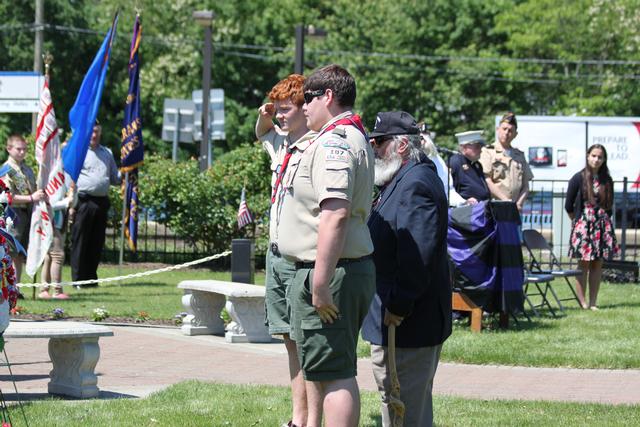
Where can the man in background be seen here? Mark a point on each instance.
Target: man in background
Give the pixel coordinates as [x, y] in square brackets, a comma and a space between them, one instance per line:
[99, 171]
[466, 171]
[505, 167]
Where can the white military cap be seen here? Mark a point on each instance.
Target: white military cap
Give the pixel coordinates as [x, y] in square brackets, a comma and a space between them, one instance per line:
[470, 137]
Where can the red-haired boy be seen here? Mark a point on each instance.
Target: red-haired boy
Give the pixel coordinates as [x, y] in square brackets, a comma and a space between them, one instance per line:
[278, 140]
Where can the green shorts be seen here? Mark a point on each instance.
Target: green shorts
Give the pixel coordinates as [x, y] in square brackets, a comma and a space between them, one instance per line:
[328, 351]
[279, 275]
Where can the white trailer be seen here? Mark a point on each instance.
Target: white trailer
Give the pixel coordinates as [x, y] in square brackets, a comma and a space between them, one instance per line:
[556, 146]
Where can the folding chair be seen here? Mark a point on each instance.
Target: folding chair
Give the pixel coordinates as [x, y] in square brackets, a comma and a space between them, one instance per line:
[534, 241]
[537, 280]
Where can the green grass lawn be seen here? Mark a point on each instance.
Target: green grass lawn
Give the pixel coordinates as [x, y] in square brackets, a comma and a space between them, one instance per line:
[195, 403]
[157, 294]
[607, 338]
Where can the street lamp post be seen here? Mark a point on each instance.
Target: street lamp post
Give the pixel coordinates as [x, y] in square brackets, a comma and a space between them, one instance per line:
[299, 58]
[301, 31]
[204, 18]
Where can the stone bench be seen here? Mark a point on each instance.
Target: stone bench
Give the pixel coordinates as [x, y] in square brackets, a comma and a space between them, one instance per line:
[74, 353]
[204, 300]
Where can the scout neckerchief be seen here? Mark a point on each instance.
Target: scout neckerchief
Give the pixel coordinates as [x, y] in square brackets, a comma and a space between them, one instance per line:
[353, 120]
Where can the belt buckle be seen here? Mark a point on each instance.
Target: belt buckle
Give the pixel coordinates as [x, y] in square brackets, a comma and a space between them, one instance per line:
[274, 249]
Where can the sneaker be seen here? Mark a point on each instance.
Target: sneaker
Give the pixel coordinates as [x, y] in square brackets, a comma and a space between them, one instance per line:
[61, 295]
[44, 295]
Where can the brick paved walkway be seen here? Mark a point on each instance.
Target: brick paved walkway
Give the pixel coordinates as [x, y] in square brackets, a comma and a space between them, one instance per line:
[138, 361]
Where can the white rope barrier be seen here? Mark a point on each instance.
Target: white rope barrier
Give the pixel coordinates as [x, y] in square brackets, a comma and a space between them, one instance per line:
[128, 276]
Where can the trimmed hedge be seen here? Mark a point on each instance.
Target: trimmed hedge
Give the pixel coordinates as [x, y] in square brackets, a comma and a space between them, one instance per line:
[202, 207]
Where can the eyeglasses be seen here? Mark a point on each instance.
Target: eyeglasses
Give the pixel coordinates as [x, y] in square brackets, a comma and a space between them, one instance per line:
[379, 142]
[308, 96]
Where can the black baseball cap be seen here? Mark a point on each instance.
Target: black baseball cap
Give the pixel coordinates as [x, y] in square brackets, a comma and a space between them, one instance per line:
[389, 123]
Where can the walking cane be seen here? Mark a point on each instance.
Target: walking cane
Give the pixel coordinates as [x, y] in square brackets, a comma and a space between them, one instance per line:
[395, 403]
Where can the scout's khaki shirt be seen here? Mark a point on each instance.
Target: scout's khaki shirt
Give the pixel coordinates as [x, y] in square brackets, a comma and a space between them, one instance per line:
[21, 181]
[336, 165]
[275, 142]
[509, 173]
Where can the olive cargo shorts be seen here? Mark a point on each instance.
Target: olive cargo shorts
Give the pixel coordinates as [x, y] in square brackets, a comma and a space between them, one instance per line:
[328, 351]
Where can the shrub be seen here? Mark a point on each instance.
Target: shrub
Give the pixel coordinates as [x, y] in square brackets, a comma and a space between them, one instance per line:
[202, 207]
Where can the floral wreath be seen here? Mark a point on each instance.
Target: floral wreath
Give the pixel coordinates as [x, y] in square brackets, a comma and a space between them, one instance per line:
[7, 271]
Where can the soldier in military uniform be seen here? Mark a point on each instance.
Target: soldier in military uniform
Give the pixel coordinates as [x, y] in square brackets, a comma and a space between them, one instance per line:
[325, 209]
[466, 171]
[505, 167]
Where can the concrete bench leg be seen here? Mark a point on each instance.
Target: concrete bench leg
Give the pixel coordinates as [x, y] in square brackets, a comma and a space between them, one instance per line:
[247, 315]
[74, 362]
[203, 310]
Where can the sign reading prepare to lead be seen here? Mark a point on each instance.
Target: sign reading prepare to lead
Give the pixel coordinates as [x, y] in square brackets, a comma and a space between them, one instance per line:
[178, 113]
[216, 114]
[20, 92]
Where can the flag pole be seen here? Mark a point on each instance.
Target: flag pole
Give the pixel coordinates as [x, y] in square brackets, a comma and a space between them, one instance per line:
[47, 58]
[124, 212]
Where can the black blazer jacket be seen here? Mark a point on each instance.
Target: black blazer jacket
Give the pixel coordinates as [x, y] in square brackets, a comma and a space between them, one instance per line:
[408, 226]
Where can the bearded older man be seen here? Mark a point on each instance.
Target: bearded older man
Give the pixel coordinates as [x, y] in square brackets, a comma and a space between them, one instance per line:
[408, 226]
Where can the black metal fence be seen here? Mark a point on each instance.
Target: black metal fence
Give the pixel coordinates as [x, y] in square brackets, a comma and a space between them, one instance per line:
[157, 243]
[544, 211]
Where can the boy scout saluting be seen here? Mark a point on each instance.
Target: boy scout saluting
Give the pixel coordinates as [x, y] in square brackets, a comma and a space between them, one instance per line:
[505, 167]
[286, 106]
[325, 212]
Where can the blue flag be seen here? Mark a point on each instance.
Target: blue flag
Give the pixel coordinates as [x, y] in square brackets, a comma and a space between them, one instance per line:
[132, 149]
[82, 116]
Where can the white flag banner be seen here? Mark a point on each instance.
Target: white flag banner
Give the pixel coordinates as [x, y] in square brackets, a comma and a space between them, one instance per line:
[50, 178]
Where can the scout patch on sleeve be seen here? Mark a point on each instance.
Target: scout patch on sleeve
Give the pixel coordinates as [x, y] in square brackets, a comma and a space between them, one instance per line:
[336, 143]
[336, 151]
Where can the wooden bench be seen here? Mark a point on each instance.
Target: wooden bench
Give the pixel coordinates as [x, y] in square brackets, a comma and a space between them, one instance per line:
[461, 302]
[74, 353]
[204, 300]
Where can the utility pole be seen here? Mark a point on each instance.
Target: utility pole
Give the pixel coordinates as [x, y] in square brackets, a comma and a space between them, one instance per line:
[205, 18]
[37, 50]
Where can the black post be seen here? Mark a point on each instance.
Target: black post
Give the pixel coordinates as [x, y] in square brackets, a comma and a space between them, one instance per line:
[243, 261]
[299, 58]
[623, 239]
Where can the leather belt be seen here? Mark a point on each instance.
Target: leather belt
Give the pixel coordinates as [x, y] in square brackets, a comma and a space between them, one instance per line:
[341, 262]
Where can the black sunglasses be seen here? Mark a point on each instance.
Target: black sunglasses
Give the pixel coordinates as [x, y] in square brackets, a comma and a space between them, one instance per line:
[308, 96]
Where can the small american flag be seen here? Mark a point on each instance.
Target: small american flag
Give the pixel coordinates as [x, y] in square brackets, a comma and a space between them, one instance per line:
[244, 214]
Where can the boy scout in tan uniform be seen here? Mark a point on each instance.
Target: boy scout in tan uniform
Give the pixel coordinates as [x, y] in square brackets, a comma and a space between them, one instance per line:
[22, 185]
[505, 167]
[328, 167]
[325, 210]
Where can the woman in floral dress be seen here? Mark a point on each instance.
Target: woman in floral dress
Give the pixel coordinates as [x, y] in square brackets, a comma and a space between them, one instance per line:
[589, 202]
